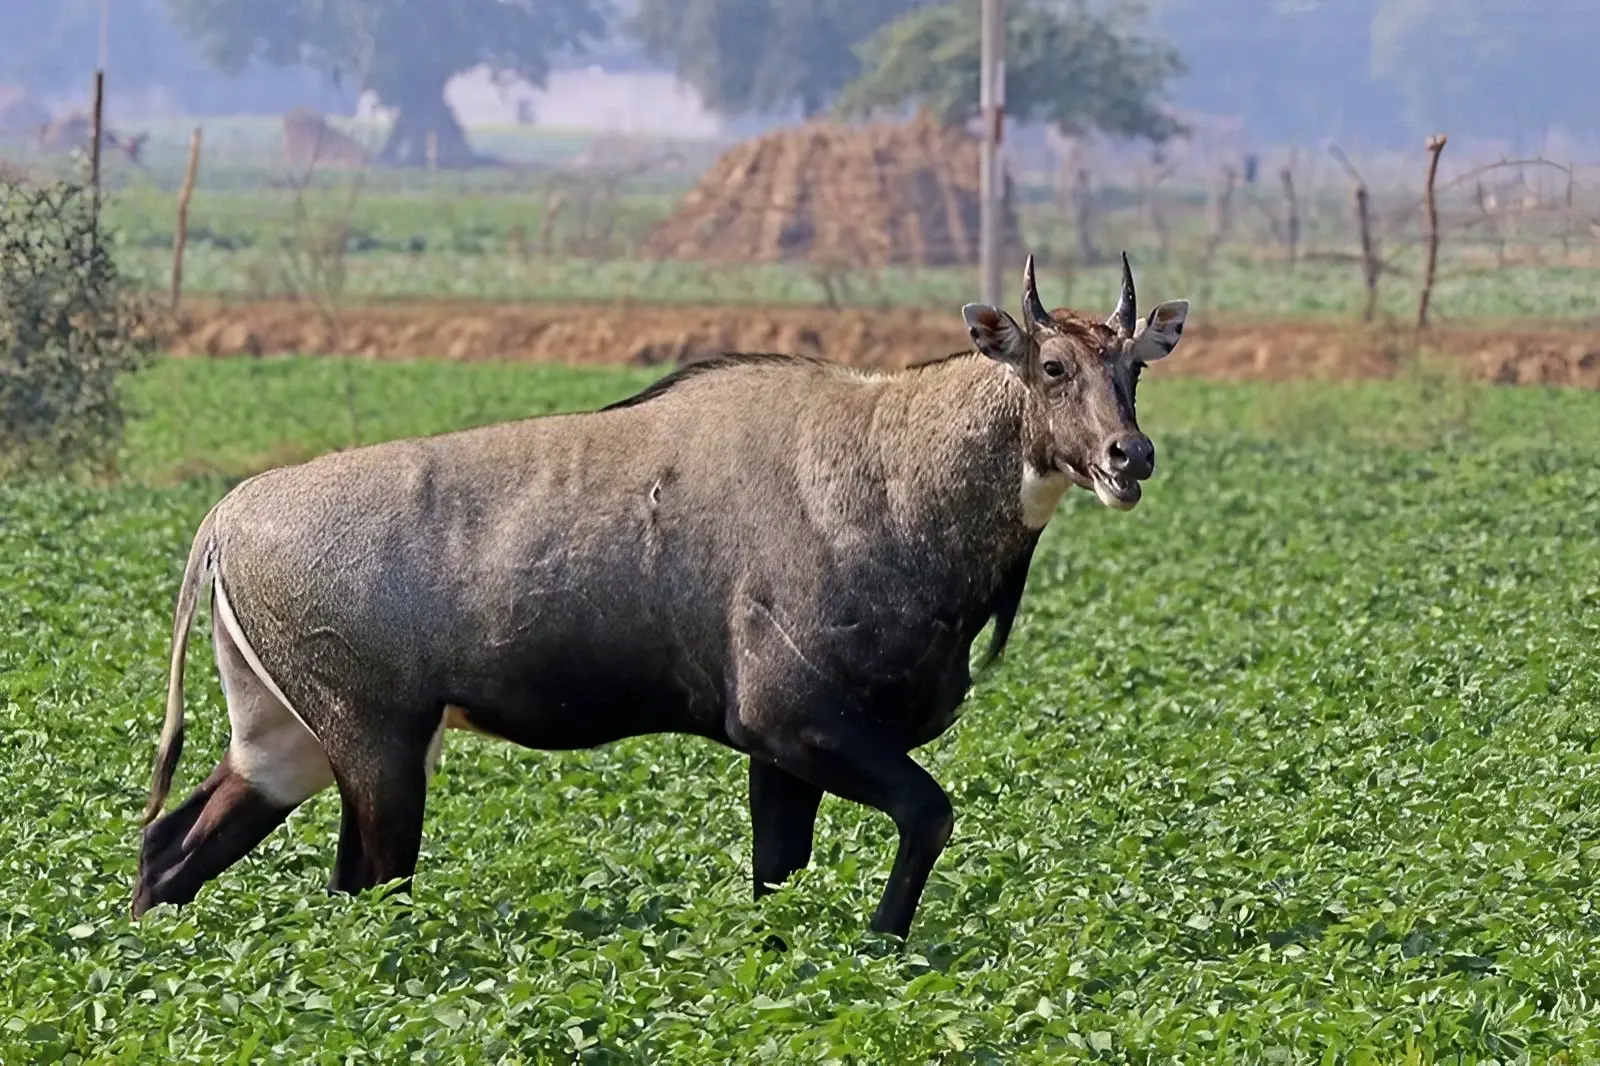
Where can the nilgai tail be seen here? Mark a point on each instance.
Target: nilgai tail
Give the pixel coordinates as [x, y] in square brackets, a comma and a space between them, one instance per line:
[199, 569]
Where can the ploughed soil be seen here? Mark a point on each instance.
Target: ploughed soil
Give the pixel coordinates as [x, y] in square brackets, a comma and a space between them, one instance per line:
[648, 335]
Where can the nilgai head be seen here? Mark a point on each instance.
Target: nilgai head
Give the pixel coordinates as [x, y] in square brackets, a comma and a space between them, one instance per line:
[1081, 375]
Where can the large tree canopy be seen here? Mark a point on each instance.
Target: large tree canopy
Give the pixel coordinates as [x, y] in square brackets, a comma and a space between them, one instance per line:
[1066, 64]
[761, 56]
[402, 50]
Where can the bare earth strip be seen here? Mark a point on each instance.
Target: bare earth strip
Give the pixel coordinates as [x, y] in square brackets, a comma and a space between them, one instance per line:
[643, 335]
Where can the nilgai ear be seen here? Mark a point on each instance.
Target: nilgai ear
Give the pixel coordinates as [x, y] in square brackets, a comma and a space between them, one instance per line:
[997, 334]
[1156, 336]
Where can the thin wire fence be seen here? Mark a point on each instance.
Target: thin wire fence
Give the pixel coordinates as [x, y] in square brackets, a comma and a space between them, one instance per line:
[838, 217]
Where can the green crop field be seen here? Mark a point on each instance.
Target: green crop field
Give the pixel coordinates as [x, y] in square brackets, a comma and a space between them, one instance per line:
[1550, 294]
[1297, 762]
[456, 242]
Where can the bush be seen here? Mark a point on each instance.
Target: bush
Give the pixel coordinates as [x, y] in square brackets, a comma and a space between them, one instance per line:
[70, 329]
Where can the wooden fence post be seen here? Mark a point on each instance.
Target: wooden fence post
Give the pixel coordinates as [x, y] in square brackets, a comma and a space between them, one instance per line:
[1435, 147]
[181, 237]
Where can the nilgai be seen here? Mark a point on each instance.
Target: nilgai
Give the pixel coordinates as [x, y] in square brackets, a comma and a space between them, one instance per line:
[782, 555]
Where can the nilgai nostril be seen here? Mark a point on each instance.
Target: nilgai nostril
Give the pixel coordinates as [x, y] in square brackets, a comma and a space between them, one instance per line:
[1134, 456]
[772, 552]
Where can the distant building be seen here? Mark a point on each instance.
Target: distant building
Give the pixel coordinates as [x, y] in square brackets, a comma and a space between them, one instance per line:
[590, 99]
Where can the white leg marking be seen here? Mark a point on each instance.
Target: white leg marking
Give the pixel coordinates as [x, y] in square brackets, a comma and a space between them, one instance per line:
[231, 621]
[271, 747]
[435, 746]
[453, 718]
[1041, 493]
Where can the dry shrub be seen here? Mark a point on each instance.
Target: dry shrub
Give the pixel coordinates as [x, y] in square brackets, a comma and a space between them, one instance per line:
[69, 332]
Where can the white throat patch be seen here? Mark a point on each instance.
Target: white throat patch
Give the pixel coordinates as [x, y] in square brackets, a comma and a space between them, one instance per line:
[1041, 493]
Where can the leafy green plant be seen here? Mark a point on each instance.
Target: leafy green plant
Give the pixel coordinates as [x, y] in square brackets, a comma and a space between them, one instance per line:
[69, 332]
[1299, 762]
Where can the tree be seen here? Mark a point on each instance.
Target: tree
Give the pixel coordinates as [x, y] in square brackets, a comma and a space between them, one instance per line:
[1065, 64]
[755, 56]
[404, 51]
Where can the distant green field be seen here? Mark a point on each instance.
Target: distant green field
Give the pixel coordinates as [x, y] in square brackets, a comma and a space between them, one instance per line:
[483, 234]
[492, 246]
[1298, 762]
[489, 234]
[242, 151]
[1236, 287]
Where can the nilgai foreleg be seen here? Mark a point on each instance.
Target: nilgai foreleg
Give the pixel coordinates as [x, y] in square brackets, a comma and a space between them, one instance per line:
[855, 760]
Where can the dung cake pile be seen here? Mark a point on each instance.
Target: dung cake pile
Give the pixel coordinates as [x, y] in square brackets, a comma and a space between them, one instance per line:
[868, 196]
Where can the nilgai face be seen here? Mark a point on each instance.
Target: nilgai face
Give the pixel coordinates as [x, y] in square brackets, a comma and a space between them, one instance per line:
[781, 555]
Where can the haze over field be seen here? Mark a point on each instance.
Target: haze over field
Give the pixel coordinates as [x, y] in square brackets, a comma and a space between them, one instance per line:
[1385, 72]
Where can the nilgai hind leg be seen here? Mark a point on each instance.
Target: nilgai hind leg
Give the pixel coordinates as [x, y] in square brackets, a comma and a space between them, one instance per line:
[273, 765]
[783, 817]
[383, 786]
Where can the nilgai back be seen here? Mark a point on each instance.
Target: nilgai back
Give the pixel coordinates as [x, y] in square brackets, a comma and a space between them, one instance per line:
[782, 555]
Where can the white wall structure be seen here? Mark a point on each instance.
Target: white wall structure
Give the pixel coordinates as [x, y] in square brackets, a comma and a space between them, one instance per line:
[589, 99]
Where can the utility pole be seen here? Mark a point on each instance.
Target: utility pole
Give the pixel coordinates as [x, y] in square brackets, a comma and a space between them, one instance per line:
[991, 180]
[105, 33]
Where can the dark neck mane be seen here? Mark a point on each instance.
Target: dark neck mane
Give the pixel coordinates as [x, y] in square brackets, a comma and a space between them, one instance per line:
[699, 367]
[726, 360]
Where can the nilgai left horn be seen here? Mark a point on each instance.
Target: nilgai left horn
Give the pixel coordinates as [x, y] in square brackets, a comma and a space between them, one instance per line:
[785, 556]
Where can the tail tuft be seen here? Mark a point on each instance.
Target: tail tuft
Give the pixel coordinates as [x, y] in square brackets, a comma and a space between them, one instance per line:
[167, 755]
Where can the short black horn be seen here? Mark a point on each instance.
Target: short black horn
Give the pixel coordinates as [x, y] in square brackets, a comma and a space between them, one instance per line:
[1127, 313]
[1032, 307]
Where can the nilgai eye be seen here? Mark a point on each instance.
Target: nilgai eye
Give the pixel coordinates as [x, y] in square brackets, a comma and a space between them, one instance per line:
[1054, 368]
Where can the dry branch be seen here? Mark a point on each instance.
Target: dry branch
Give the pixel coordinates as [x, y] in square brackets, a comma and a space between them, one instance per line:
[1566, 228]
[1349, 167]
[1435, 149]
[554, 203]
[1083, 204]
[1151, 218]
[181, 236]
[1220, 212]
[1475, 175]
[317, 265]
[1274, 227]
[1371, 266]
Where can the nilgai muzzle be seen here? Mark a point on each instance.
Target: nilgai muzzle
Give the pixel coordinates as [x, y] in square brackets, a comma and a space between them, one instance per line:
[782, 555]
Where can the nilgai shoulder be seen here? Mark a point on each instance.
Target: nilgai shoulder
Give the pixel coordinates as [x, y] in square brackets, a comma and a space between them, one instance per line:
[783, 555]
